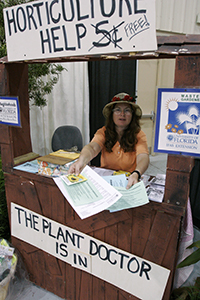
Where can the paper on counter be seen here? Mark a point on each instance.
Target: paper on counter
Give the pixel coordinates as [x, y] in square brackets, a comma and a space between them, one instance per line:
[156, 192]
[29, 166]
[117, 180]
[102, 172]
[159, 179]
[133, 197]
[89, 197]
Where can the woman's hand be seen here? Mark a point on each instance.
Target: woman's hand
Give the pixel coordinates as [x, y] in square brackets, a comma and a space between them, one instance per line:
[133, 179]
[142, 162]
[76, 168]
[87, 154]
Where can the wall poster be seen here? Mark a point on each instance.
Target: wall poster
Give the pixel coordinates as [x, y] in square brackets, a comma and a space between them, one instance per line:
[178, 121]
[9, 111]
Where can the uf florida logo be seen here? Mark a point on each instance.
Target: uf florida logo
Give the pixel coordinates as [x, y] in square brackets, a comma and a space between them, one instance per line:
[182, 119]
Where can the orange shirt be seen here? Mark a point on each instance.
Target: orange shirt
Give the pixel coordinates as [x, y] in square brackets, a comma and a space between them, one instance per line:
[118, 159]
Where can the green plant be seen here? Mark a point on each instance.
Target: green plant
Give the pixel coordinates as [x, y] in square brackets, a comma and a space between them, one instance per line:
[4, 222]
[189, 292]
[192, 258]
[37, 87]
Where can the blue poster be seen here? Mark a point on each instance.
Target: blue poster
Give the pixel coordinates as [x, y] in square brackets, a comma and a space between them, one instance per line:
[9, 111]
[178, 122]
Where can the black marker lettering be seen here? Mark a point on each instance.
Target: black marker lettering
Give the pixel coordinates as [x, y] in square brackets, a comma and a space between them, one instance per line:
[80, 35]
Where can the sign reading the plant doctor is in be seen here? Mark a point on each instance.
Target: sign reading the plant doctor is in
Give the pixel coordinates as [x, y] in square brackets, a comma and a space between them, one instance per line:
[57, 28]
[178, 121]
[136, 275]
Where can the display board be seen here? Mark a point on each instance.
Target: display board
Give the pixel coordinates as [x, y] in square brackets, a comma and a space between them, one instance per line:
[178, 121]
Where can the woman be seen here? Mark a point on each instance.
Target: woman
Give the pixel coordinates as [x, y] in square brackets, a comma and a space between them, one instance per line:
[122, 143]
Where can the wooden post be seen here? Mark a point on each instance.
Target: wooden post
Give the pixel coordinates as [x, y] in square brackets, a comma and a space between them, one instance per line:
[179, 166]
[15, 141]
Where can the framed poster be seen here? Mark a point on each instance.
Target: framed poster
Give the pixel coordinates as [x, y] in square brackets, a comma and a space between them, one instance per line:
[178, 121]
[9, 111]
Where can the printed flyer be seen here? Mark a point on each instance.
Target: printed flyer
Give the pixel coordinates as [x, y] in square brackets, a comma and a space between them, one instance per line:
[178, 121]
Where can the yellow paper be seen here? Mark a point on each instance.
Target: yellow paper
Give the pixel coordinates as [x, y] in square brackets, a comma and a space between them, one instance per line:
[65, 154]
[121, 172]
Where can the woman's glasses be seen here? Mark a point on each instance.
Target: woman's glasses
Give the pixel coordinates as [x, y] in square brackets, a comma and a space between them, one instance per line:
[118, 111]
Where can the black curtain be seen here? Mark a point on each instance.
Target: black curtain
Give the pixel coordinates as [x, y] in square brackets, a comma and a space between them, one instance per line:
[195, 193]
[106, 79]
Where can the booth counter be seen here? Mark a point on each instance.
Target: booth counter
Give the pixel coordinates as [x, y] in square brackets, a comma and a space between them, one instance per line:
[150, 231]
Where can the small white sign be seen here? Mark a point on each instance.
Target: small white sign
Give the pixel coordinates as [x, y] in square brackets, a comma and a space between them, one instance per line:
[9, 111]
[58, 28]
[133, 274]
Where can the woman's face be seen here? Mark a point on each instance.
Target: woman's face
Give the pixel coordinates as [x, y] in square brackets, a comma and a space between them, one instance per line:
[122, 115]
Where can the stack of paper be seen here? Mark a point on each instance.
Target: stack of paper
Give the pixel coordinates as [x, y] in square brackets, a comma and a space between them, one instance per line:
[156, 189]
[88, 197]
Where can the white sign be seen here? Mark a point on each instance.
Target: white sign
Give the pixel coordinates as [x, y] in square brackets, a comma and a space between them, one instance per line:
[58, 28]
[9, 111]
[178, 122]
[135, 275]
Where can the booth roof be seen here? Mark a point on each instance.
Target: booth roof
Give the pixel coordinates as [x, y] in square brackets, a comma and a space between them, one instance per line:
[167, 47]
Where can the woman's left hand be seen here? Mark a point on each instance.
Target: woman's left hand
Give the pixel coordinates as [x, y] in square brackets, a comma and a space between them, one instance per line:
[133, 178]
[141, 166]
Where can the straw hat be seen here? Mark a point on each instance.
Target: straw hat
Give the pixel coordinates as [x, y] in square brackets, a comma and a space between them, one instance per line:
[122, 98]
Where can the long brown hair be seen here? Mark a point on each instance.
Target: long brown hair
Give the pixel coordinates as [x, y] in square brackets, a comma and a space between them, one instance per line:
[129, 137]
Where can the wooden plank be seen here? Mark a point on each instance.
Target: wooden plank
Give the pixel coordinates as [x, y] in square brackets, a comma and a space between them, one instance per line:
[47, 197]
[35, 177]
[4, 134]
[187, 72]
[142, 221]
[3, 80]
[177, 181]
[85, 286]
[24, 158]
[167, 208]
[17, 76]
[192, 38]
[70, 283]
[96, 222]
[170, 260]
[7, 157]
[159, 237]
[177, 188]
[180, 163]
[23, 192]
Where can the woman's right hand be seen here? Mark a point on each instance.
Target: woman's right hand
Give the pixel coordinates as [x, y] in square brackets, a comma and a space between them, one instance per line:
[76, 168]
[87, 154]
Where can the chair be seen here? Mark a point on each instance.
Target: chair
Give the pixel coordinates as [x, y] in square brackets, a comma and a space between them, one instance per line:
[65, 137]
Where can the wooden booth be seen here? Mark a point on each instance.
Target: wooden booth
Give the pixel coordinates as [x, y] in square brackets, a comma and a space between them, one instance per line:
[151, 231]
